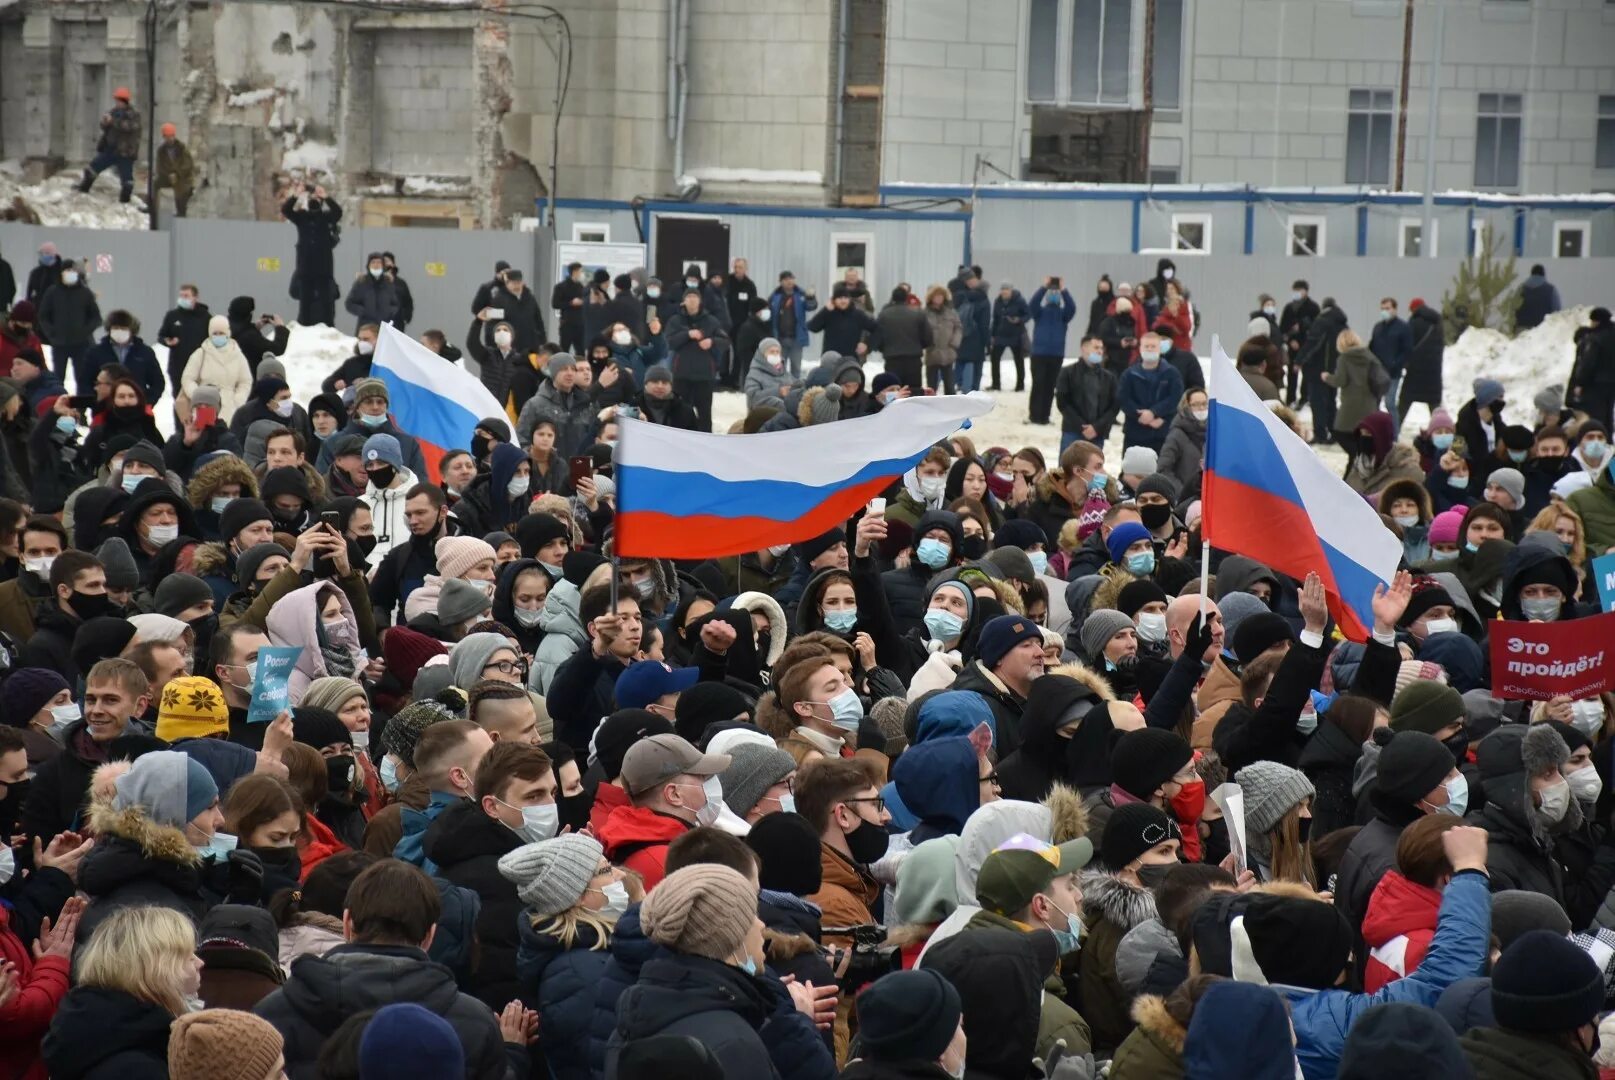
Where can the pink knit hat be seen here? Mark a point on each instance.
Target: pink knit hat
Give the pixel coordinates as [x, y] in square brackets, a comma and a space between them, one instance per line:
[1444, 529]
[458, 554]
[1440, 418]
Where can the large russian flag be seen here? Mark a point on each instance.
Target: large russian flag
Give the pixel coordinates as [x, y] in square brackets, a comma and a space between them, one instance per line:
[437, 402]
[695, 495]
[1269, 497]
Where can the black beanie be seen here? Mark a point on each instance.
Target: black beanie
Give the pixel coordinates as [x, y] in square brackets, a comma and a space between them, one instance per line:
[908, 1016]
[1427, 593]
[239, 514]
[1412, 765]
[1143, 760]
[788, 853]
[576, 566]
[318, 728]
[1135, 594]
[704, 703]
[1298, 942]
[1133, 829]
[621, 730]
[536, 530]
[1259, 632]
[812, 548]
[1546, 984]
[99, 639]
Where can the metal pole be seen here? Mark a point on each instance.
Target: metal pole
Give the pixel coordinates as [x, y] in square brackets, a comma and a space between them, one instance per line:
[1211, 418]
[1402, 95]
[1427, 247]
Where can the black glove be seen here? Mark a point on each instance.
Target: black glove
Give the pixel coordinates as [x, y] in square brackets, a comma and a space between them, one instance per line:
[1200, 637]
[245, 877]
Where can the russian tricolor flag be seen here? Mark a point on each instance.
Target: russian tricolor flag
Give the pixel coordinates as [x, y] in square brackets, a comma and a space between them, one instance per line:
[437, 402]
[1269, 497]
[695, 495]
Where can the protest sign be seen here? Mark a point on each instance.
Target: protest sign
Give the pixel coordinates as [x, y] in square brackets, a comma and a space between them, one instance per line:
[1538, 661]
[1604, 575]
[1230, 799]
[271, 685]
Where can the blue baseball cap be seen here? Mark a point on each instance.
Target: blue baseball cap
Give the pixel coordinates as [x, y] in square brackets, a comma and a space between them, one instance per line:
[647, 680]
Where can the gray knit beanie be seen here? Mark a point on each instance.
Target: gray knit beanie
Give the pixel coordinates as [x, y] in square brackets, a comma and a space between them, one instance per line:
[459, 601]
[172, 787]
[469, 657]
[703, 910]
[753, 769]
[1271, 790]
[120, 565]
[551, 875]
[1099, 627]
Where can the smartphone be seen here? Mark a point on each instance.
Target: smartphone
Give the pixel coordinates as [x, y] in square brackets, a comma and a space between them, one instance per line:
[495, 313]
[581, 468]
[332, 520]
[877, 507]
[205, 416]
[81, 401]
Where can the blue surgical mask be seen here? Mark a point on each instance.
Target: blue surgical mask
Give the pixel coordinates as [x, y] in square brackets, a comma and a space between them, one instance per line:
[131, 482]
[846, 711]
[1517, 456]
[66, 425]
[1141, 564]
[1471, 548]
[372, 421]
[220, 340]
[1097, 481]
[1458, 481]
[842, 621]
[1166, 346]
[1095, 358]
[1442, 556]
[943, 625]
[1039, 561]
[1442, 440]
[1386, 316]
[553, 571]
[389, 774]
[1069, 939]
[787, 804]
[932, 552]
[219, 502]
[218, 847]
[749, 967]
[1457, 796]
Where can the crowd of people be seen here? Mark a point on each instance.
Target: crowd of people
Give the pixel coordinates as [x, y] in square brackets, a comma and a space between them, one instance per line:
[937, 793]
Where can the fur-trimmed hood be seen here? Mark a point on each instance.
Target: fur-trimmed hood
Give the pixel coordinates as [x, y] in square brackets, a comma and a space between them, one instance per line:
[211, 558]
[156, 841]
[1106, 896]
[779, 630]
[1068, 816]
[1088, 677]
[225, 469]
[783, 947]
[1150, 1013]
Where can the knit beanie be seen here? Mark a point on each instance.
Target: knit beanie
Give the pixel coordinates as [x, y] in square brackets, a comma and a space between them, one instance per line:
[1440, 417]
[384, 448]
[1444, 528]
[318, 728]
[1133, 829]
[26, 691]
[406, 651]
[618, 732]
[707, 703]
[703, 910]
[787, 853]
[551, 875]
[178, 592]
[1271, 790]
[332, 692]
[458, 554]
[1401, 1039]
[366, 388]
[658, 373]
[171, 786]
[250, 561]
[406, 1041]
[1260, 632]
[1143, 760]
[1426, 705]
[1092, 514]
[1545, 984]
[460, 601]
[1516, 912]
[1412, 765]
[557, 363]
[404, 730]
[1487, 391]
[99, 639]
[1236, 607]
[814, 546]
[1122, 537]
[1411, 671]
[1099, 627]
[1002, 634]
[1139, 461]
[1160, 484]
[752, 771]
[470, 655]
[223, 1044]
[191, 707]
[1427, 593]
[825, 406]
[239, 514]
[908, 1016]
[1295, 942]
[1511, 481]
[537, 529]
[120, 565]
[576, 566]
[1135, 594]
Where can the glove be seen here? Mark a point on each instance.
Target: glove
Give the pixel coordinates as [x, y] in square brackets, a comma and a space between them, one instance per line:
[1063, 1065]
[246, 877]
[1200, 637]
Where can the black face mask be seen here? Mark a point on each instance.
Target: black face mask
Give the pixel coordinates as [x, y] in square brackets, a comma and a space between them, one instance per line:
[1155, 515]
[479, 446]
[573, 810]
[283, 860]
[1151, 875]
[1458, 744]
[1215, 844]
[128, 414]
[339, 772]
[973, 547]
[382, 475]
[89, 605]
[868, 843]
[1303, 828]
[365, 544]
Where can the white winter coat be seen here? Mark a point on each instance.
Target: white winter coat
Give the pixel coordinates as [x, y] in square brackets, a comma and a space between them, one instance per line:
[224, 368]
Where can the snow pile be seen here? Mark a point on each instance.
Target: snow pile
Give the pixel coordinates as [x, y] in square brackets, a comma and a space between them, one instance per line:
[310, 159]
[312, 353]
[427, 185]
[249, 98]
[58, 202]
[751, 176]
[1540, 357]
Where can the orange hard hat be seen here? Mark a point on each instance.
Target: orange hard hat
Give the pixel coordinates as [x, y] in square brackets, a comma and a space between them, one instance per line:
[121, 93]
[169, 131]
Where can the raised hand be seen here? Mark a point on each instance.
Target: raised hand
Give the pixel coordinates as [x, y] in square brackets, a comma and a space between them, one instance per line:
[1314, 604]
[1391, 603]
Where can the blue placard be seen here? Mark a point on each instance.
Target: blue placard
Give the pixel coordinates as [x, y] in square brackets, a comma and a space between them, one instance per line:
[1604, 574]
[271, 684]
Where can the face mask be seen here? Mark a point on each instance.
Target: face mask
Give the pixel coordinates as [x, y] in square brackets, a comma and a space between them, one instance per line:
[366, 347]
[1200, 414]
[162, 534]
[538, 822]
[1555, 801]
[502, 339]
[888, 397]
[1544, 610]
[1095, 358]
[1268, 309]
[1039, 561]
[1407, 521]
[943, 625]
[1518, 456]
[89, 605]
[372, 421]
[219, 340]
[1587, 717]
[120, 337]
[361, 739]
[66, 425]
[218, 847]
[339, 773]
[1586, 784]
[1442, 440]
[1141, 564]
[842, 621]
[1440, 626]
[1296, 296]
[527, 619]
[645, 588]
[517, 486]
[1593, 450]
[1306, 724]
[219, 502]
[285, 408]
[131, 482]
[1155, 515]
[389, 774]
[63, 715]
[70, 278]
[39, 567]
[1150, 875]
[787, 804]
[616, 894]
[932, 553]
[1190, 801]
[932, 486]
[1166, 346]
[1097, 481]
[1152, 627]
[185, 303]
[1457, 796]
[653, 292]
[1069, 936]
[712, 787]
[867, 843]
[1386, 316]
[1149, 359]
[375, 271]
[1458, 482]
[382, 476]
[846, 711]
[1007, 477]
[1443, 556]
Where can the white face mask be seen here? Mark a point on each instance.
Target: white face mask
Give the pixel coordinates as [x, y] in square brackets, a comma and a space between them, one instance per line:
[1587, 716]
[712, 787]
[1585, 784]
[1555, 801]
[366, 347]
[622, 337]
[1200, 414]
[1152, 627]
[538, 822]
[120, 336]
[162, 534]
[63, 715]
[1407, 521]
[1440, 626]
[932, 486]
[774, 359]
[361, 739]
[39, 567]
[527, 619]
[502, 339]
[616, 894]
[70, 278]
[285, 408]
[517, 486]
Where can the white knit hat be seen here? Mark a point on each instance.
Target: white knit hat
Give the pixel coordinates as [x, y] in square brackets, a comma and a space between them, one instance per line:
[552, 875]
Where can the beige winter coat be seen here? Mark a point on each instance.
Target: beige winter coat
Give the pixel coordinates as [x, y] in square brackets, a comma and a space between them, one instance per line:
[224, 368]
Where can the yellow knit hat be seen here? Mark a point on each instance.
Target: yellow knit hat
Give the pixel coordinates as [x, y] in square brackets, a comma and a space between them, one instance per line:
[191, 707]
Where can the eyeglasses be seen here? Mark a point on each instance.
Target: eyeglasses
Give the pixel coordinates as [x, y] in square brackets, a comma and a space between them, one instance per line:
[880, 803]
[991, 778]
[508, 667]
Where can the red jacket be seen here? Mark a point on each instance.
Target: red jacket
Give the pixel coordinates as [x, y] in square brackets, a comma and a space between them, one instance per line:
[10, 346]
[607, 797]
[41, 985]
[316, 844]
[1400, 922]
[636, 837]
[1180, 327]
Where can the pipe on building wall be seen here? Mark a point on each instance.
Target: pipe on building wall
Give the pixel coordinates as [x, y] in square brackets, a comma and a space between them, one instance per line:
[682, 69]
[1426, 248]
[841, 92]
[672, 69]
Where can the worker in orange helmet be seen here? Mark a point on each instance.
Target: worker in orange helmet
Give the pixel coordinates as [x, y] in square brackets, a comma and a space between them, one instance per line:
[175, 169]
[119, 146]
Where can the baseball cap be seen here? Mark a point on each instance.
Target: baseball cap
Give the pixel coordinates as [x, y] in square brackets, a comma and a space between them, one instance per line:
[645, 681]
[656, 759]
[1022, 866]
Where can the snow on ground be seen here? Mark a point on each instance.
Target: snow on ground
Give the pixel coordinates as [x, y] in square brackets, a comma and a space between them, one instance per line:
[1538, 358]
[312, 353]
[57, 201]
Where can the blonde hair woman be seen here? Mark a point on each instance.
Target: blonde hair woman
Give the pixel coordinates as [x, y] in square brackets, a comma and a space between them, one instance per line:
[1566, 524]
[137, 973]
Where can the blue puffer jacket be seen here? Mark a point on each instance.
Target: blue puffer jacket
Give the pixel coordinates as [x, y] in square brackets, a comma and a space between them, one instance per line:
[1049, 322]
[411, 844]
[560, 981]
[1159, 391]
[939, 782]
[1463, 931]
[630, 949]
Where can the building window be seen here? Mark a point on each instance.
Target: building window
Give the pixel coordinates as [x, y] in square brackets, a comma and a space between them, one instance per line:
[1307, 234]
[588, 232]
[1042, 47]
[1369, 122]
[1080, 52]
[1410, 238]
[1163, 174]
[1604, 155]
[1101, 33]
[1497, 140]
[853, 251]
[1191, 233]
[1570, 239]
[1166, 74]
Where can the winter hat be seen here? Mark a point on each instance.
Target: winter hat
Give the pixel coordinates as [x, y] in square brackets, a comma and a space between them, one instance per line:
[724, 739]
[178, 592]
[1271, 790]
[885, 380]
[1258, 633]
[497, 539]
[406, 1041]
[146, 454]
[318, 728]
[1411, 671]
[1020, 533]
[707, 703]
[908, 1016]
[658, 373]
[576, 566]
[26, 691]
[813, 547]
[191, 708]
[1412, 765]
[172, 787]
[120, 565]
[1139, 461]
[552, 875]
[1487, 391]
[752, 771]
[367, 388]
[1002, 634]
[1099, 627]
[224, 1044]
[788, 853]
[702, 910]
[1517, 912]
[1549, 399]
[460, 601]
[557, 363]
[239, 514]
[1143, 760]
[1236, 607]
[1122, 537]
[151, 626]
[1293, 942]
[1440, 418]
[100, 638]
[384, 448]
[767, 343]
[250, 561]
[825, 406]
[1444, 529]
[404, 730]
[535, 530]
[1160, 484]
[620, 731]
[1401, 1039]
[1427, 593]
[406, 652]
[1135, 594]
[1545, 984]
[23, 311]
[456, 555]
[1512, 481]
[470, 655]
[1022, 866]
[1426, 706]
[1133, 829]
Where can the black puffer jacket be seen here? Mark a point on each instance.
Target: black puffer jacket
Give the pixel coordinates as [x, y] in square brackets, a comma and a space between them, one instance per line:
[1329, 759]
[716, 1004]
[907, 590]
[1421, 375]
[1520, 848]
[100, 1034]
[466, 844]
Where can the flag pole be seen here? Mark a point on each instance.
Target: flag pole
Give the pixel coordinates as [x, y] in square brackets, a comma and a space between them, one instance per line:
[616, 565]
[1211, 416]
